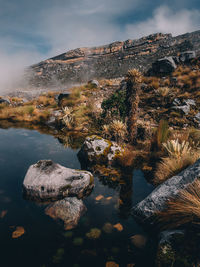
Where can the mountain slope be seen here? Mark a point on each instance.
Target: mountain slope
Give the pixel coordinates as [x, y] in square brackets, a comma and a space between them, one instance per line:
[111, 61]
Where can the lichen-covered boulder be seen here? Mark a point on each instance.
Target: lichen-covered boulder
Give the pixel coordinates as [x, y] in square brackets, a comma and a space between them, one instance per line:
[69, 210]
[145, 210]
[96, 149]
[47, 180]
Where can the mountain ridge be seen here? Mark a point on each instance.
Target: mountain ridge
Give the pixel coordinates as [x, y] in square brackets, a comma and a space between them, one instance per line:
[112, 60]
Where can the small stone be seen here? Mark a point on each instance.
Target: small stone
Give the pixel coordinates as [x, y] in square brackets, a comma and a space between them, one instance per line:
[3, 214]
[59, 255]
[69, 210]
[118, 226]
[107, 228]
[139, 241]
[94, 233]
[111, 264]
[68, 234]
[18, 232]
[78, 241]
[99, 197]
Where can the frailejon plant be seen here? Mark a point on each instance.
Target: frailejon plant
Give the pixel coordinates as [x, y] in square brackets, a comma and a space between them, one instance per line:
[176, 149]
[68, 117]
[133, 87]
[118, 129]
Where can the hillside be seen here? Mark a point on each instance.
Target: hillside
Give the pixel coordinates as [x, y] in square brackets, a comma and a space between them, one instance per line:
[111, 61]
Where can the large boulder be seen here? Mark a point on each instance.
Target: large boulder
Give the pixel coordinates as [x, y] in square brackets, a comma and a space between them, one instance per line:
[187, 56]
[69, 210]
[145, 210]
[47, 180]
[164, 65]
[96, 149]
[54, 119]
[5, 101]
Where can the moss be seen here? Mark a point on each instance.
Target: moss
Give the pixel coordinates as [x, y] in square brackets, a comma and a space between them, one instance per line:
[91, 179]
[65, 188]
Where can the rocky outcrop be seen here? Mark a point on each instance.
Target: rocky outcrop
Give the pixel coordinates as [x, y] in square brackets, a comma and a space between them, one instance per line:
[5, 101]
[113, 60]
[96, 149]
[184, 106]
[164, 65]
[187, 56]
[69, 210]
[156, 201]
[47, 180]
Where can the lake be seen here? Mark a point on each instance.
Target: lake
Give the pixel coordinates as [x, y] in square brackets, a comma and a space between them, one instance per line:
[45, 242]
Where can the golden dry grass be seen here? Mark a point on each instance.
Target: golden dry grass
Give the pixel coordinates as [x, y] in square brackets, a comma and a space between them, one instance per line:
[184, 209]
[126, 159]
[171, 166]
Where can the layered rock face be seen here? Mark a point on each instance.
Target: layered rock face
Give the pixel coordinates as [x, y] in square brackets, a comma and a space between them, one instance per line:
[111, 61]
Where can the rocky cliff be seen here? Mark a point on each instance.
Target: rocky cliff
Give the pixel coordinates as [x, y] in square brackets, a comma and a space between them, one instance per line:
[111, 61]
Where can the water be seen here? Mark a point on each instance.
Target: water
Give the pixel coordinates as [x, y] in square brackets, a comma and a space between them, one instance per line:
[45, 242]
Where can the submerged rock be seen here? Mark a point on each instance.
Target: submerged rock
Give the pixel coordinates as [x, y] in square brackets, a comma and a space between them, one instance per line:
[96, 149]
[94, 233]
[145, 210]
[139, 241]
[47, 180]
[177, 248]
[68, 210]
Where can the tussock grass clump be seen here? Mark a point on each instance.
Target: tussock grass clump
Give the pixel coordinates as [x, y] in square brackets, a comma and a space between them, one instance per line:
[171, 166]
[68, 117]
[184, 209]
[126, 159]
[163, 91]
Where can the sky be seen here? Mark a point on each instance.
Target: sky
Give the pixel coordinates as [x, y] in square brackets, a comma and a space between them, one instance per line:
[34, 30]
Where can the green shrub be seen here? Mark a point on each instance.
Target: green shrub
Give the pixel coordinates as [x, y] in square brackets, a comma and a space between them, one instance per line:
[115, 105]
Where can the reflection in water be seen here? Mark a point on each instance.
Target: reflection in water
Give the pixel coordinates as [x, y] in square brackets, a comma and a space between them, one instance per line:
[45, 242]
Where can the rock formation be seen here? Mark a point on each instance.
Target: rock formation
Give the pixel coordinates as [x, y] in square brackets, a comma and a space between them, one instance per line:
[156, 201]
[113, 60]
[47, 180]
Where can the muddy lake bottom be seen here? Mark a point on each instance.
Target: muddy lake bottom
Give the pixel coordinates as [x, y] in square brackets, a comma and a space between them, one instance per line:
[45, 243]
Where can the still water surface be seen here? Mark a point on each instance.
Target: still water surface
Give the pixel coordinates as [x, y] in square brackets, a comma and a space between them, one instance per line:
[45, 242]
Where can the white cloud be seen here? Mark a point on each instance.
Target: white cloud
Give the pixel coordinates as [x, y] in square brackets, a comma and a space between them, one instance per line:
[166, 21]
